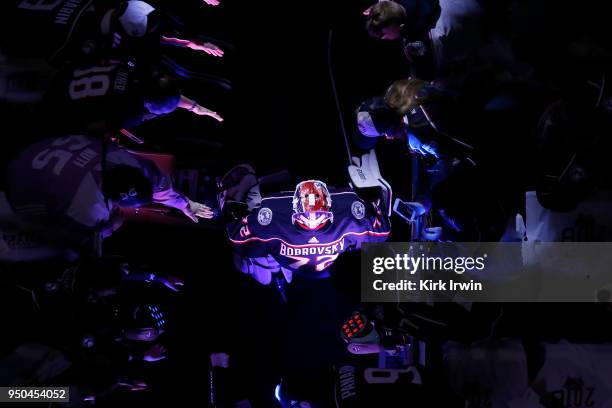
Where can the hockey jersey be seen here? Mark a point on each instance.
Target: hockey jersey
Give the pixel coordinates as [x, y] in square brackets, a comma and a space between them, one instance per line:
[410, 386]
[61, 177]
[268, 231]
[57, 30]
[48, 29]
[108, 93]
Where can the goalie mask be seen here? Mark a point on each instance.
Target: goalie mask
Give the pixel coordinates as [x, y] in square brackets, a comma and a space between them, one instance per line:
[312, 205]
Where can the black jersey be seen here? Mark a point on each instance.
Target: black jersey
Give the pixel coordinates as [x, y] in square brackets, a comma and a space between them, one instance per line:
[411, 386]
[51, 29]
[109, 93]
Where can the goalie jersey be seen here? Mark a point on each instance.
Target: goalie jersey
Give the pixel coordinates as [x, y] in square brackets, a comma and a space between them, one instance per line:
[268, 239]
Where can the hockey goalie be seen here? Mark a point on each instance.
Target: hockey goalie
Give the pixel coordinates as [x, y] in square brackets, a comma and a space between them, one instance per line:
[303, 231]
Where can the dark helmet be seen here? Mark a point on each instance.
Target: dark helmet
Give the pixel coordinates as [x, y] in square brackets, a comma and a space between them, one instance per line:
[161, 93]
[127, 186]
[142, 322]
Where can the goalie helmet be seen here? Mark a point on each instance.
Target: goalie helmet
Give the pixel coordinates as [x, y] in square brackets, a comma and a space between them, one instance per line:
[312, 205]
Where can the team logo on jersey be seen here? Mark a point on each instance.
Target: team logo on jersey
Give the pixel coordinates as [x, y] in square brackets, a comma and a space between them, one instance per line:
[358, 209]
[264, 216]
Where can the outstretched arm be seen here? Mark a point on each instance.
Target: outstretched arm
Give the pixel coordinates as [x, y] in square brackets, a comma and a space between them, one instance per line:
[164, 193]
[193, 106]
[171, 198]
[207, 47]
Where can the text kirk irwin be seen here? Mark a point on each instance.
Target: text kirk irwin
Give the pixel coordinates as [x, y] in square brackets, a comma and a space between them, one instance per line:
[427, 285]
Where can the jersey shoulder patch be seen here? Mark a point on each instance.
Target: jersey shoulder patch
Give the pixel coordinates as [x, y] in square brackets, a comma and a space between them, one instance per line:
[264, 216]
[358, 209]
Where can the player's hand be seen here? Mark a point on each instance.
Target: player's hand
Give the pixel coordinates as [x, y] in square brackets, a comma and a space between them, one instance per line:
[115, 221]
[421, 148]
[171, 282]
[212, 2]
[418, 209]
[196, 210]
[202, 111]
[209, 48]
[432, 150]
[134, 385]
[357, 348]
[431, 233]
[155, 353]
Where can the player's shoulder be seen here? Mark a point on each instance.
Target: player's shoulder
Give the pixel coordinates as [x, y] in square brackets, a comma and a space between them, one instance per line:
[343, 194]
[278, 206]
[280, 200]
[59, 12]
[344, 199]
[279, 195]
[347, 206]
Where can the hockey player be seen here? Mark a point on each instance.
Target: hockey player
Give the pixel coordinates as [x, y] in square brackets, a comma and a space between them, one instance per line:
[86, 28]
[65, 186]
[428, 117]
[305, 231]
[448, 41]
[115, 96]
